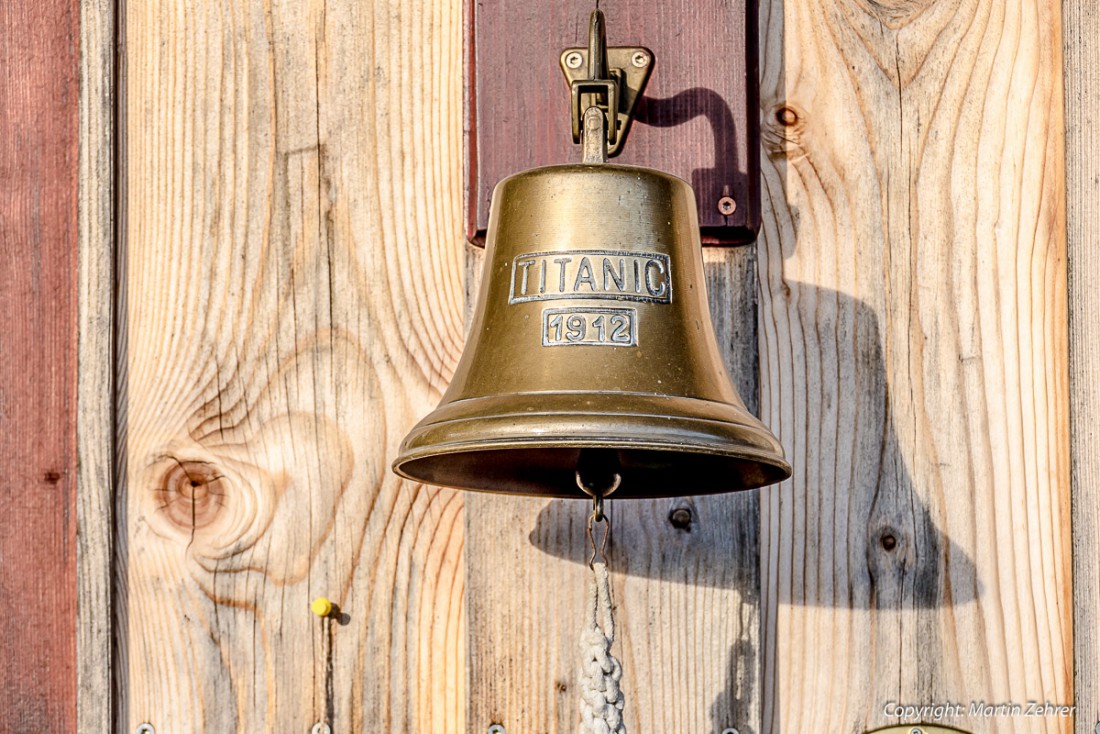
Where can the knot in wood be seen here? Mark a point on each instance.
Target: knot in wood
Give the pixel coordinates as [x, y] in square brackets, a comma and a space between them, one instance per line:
[192, 493]
[781, 134]
[787, 116]
[890, 543]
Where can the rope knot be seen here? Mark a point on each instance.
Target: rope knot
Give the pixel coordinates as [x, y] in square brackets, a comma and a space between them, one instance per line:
[601, 697]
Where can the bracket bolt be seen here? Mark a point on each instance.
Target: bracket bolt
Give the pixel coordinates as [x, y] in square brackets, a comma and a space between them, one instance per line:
[639, 59]
[916, 730]
[573, 60]
[726, 205]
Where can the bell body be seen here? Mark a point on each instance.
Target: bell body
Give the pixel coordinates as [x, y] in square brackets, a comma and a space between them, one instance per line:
[592, 341]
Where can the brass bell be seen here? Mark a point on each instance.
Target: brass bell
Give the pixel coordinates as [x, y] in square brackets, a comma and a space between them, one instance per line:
[592, 363]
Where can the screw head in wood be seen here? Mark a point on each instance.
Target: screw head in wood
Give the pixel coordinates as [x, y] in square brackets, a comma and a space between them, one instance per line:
[574, 60]
[321, 728]
[726, 205]
[496, 729]
[730, 730]
[639, 59]
[145, 728]
[680, 518]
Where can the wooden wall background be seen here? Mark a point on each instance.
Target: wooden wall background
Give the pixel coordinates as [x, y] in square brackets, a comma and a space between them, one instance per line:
[1082, 57]
[913, 361]
[292, 284]
[292, 302]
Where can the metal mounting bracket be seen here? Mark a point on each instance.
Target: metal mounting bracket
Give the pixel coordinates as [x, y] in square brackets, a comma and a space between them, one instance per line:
[630, 66]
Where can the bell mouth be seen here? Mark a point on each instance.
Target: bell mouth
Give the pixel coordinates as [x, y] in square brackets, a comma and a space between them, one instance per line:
[551, 471]
[663, 446]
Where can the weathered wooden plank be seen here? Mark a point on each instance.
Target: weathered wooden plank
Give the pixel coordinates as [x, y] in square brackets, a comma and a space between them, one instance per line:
[913, 352]
[95, 367]
[1081, 45]
[686, 586]
[292, 302]
[39, 88]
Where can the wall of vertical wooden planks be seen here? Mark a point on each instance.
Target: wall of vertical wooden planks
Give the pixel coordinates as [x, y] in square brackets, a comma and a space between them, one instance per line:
[913, 349]
[292, 286]
[1082, 59]
[95, 419]
[292, 302]
[39, 91]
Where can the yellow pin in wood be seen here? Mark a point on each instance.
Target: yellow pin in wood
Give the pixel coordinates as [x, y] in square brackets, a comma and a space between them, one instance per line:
[321, 606]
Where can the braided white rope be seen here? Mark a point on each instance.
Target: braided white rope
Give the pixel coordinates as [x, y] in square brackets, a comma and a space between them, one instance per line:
[601, 697]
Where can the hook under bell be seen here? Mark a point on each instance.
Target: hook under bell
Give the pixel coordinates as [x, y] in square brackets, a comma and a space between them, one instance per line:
[592, 348]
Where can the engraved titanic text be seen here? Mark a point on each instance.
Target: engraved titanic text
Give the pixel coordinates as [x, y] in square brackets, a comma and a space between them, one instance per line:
[607, 274]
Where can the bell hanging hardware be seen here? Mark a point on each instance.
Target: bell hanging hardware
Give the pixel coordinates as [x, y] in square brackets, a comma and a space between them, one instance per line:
[680, 90]
[592, 365]
[611, 79]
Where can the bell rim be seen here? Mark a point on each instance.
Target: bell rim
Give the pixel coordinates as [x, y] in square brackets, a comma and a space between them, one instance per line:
[462, 447]
[781, 469]
[676, 427]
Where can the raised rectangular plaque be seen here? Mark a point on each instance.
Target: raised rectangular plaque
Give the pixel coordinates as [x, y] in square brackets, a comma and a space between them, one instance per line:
[589, 327]
[601, 274]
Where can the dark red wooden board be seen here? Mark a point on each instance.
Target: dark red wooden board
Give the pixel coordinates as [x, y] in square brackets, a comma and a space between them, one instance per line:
[698, 118]
[39, 98]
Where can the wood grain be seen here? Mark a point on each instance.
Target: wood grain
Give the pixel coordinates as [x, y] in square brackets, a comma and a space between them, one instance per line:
[686, 594]
[1081, 44]
[39, 96]
[913, 354]
[292, 299]
[95, 367]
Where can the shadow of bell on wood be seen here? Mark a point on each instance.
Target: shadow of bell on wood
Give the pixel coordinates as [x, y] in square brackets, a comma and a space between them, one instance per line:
[896, 555]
